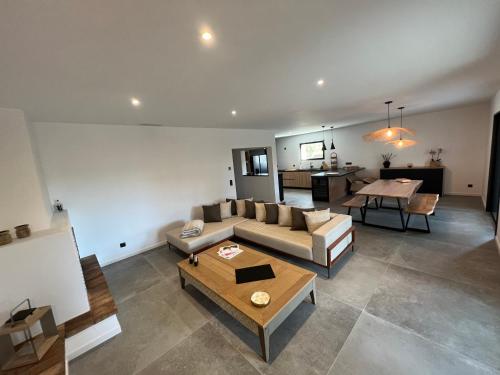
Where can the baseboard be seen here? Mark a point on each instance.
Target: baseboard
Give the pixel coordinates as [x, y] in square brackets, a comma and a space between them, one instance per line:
[497, 241]
[91, 337]
[110, 260]
[464, 194]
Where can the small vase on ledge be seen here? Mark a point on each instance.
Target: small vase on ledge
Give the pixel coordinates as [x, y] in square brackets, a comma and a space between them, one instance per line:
[386, 164]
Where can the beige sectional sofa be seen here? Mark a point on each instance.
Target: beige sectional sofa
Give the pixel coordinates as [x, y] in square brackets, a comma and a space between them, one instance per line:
[324, 246]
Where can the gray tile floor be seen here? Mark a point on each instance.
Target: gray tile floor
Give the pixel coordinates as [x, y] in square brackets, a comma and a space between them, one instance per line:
[403, 303]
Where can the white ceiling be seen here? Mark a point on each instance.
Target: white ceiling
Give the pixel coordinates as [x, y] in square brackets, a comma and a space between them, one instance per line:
[81, 61]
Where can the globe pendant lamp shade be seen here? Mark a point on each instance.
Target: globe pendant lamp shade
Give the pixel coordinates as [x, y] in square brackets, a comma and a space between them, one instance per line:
[332, 146]
[402, 143]
[324, 146]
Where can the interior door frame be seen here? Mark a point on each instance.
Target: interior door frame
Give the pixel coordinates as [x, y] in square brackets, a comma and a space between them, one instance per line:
[495, 151]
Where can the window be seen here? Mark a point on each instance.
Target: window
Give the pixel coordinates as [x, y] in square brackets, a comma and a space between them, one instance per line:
[312, 151]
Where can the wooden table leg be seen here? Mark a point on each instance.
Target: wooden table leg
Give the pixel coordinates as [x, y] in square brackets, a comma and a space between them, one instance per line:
[182, 279]
[264, 343]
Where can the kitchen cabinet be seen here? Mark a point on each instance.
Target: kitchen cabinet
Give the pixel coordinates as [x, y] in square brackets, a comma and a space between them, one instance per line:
[297, 179]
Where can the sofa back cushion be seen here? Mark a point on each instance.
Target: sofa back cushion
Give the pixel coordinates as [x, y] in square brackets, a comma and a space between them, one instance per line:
[225, 210]
[240, 206]
[284, 216]
[233, 206]
[211, 214]
[272, 213]
[260, 212]
[298, 219]
[316, 219]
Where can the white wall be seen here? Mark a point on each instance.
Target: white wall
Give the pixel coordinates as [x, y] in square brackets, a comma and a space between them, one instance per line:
[462, 133]
[45, 268]
[22, 190]
[132, 183]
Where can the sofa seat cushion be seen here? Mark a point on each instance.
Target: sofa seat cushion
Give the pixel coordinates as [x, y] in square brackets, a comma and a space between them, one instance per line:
[296, 243]
[212, 233]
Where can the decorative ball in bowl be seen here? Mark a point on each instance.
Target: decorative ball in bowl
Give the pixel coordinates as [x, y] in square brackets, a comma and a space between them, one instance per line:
[260, 299]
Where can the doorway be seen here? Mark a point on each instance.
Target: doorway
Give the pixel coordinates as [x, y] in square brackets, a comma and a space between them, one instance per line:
[494, 176]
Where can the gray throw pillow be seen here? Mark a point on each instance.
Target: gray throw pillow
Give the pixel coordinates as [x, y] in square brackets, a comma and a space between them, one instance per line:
[271, 213]
[298, 219]
[211, 214]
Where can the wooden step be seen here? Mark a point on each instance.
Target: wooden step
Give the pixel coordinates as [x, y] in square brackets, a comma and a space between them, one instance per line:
[102, 304]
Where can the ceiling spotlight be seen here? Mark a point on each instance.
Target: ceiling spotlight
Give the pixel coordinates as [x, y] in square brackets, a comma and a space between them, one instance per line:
[233, 112]
[320, 82]
[135, 102]
[207, 37]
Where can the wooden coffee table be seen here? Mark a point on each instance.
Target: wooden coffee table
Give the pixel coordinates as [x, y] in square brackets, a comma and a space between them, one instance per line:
[215, 277]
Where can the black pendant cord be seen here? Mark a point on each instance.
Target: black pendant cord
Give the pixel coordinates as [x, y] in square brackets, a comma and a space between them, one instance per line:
[401, 126]
[388, 114]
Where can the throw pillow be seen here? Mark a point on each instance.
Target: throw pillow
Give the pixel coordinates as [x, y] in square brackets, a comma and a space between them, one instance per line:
[225, 210]
[233, 206]
[316, 219]
[249, 209]
[211, 214]
[271, 213]
[240, 206]
[298, 219]
[284, 216]
[260, 212]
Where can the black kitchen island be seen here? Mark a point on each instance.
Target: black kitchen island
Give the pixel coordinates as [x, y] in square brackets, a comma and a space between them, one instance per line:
[329, 186]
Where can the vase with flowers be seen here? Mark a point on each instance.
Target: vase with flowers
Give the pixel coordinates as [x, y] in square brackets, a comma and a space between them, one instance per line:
[387, 159]
[435, 157]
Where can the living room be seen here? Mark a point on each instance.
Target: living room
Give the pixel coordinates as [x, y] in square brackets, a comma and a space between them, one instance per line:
[141, 142]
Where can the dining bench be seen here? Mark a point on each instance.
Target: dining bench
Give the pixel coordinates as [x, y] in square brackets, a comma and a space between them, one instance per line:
[424, 205]
[359, 201]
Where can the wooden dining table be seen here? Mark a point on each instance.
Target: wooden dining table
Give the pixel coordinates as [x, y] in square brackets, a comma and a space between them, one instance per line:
[402, 192]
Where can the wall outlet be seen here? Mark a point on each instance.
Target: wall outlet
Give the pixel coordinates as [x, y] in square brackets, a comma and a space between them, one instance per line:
[123, 244]
[470, 185]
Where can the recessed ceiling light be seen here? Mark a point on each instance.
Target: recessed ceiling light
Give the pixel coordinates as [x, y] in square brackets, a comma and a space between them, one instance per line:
[135, 102]
[233, 112]
[320, 82]
[206, 36]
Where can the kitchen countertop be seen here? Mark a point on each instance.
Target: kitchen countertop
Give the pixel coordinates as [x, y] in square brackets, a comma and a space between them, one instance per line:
[338, 173]
[300, 170]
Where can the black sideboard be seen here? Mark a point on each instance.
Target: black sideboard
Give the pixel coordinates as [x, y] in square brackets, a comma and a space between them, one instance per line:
[432, 177]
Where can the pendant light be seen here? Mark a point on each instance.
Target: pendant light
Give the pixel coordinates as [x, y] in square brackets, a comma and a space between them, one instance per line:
[324, 146]
[387, 133]
[402, 143]
[332, 147]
